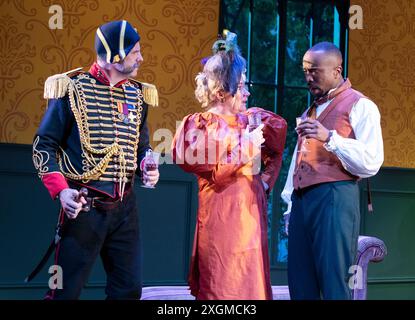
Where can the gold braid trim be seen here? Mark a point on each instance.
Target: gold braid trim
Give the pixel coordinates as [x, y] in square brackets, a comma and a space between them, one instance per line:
[40, 159]
[150, 94]
[113, 149]
[56, 86]
[149, 91]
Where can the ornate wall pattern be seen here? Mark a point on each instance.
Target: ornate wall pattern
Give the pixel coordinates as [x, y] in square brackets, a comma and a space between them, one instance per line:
[382, 66]
[175, 35]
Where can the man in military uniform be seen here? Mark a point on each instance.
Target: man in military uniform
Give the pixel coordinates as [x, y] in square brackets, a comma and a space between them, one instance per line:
[94, 135]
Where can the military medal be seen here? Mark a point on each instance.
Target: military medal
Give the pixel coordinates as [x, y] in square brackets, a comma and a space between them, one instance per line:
[125, 113]
[131, 107]
[131, 117]
[122, 112]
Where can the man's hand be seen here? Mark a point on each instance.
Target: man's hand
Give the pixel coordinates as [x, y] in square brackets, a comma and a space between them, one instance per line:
[71, 202]
[311, 128]
[286, 223]
[151, 177]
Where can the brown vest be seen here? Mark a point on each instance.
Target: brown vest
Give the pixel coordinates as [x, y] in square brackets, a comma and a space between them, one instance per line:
[319, 165]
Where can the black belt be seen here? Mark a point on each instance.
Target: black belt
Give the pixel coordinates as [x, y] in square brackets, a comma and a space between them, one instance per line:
[100, 203]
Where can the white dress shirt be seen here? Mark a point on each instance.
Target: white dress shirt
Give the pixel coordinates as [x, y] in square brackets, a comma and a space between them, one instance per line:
[362, 156]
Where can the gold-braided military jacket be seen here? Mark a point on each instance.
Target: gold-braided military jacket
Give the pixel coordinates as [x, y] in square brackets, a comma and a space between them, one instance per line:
[92, 134]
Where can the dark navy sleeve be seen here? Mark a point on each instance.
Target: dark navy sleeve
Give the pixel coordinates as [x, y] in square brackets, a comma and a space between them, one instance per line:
[51, 135]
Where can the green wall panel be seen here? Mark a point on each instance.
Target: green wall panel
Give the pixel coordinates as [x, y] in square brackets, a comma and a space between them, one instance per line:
[167, 215]
[393, 221]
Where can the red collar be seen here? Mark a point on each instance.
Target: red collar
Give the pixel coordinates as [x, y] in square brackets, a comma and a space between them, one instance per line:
[99, 74]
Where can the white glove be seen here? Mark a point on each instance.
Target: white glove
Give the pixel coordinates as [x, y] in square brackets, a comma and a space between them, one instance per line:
[70, 202]
[256, 137]
[251, 150]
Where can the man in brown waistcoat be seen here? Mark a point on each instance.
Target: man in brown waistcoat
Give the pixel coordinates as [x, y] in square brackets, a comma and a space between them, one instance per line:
[339, 142]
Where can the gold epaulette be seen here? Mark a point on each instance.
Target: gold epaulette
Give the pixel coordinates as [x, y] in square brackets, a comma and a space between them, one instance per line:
[150, 93]
[56, 86]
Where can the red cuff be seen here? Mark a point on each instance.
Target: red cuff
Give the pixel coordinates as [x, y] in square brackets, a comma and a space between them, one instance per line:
[55, 182]
[142, 164]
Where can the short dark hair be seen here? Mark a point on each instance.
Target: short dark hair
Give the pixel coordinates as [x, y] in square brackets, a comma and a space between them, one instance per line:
[327, 47]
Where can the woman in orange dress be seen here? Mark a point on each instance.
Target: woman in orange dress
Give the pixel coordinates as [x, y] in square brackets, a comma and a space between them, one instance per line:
[230, 254]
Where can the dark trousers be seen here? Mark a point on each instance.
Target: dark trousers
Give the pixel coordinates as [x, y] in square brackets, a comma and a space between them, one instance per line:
[114, 234]
[322, 243]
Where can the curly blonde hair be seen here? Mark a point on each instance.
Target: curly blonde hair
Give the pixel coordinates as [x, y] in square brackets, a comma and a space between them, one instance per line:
[222, 71]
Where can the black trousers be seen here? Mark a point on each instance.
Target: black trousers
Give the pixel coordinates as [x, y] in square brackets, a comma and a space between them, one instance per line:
[322, 241]
[114, 234]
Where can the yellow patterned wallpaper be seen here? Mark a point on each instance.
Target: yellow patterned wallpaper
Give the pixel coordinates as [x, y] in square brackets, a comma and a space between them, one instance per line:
[382, 66]
[175, 35]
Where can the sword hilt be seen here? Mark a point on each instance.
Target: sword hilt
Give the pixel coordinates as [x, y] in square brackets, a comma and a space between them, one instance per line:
[84, 193]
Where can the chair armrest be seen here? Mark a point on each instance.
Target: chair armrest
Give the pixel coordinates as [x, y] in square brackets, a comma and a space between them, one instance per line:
[369, 249]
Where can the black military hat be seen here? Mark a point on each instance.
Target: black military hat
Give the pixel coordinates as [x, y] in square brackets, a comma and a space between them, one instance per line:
[114, 40]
